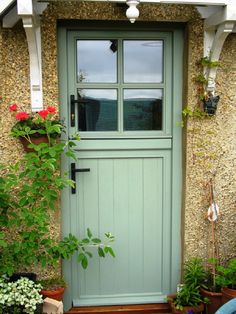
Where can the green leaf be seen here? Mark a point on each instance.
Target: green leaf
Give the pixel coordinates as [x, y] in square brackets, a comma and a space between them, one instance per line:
[96, 240]
[80, 257]
[84, 262]
[89, 233]
[101, 252]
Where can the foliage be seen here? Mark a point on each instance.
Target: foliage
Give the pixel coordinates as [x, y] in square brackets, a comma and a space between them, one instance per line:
[204, 94]
[29, 191]
[226, 275]
[189, 294]
[194, 273]
[53, 283]
[210, 283]
[21, 295]
[43, 122]
[207, 63]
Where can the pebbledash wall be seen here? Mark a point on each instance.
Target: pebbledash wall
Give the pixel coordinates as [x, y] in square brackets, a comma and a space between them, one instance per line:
[209, 144]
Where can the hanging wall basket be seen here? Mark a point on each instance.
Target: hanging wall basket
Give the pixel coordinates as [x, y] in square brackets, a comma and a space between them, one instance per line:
[210, 105]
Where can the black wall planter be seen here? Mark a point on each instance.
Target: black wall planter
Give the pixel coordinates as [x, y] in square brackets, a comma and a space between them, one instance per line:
[30, 276]
[210, 105]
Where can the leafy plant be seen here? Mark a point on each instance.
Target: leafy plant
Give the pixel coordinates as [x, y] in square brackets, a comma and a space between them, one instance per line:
[194, 272]
[53, 283]
[194, 275]
[226, 275]
[189, 295]
[30, 189]
[43, 122]
[210, 283]
[19, 296]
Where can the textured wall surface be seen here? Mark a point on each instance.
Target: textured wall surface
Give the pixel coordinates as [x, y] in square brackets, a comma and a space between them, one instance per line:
[209, 144]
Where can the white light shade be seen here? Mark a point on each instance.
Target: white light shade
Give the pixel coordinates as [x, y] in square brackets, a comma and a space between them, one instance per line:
[132, 12]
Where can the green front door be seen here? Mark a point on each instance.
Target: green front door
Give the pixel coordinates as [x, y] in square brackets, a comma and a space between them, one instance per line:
[127, 94]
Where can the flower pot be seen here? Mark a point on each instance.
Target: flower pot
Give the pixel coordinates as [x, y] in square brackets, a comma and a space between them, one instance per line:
[210, 105]
[228, 294]
[215, 300]
[196, 309]
[30, 276]
[56, 294]
[34, 140]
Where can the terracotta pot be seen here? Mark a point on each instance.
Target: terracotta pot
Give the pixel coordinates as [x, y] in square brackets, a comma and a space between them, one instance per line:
[34, 140]
[196, 309]
[215, 300]
[53, 294]
[228, 294]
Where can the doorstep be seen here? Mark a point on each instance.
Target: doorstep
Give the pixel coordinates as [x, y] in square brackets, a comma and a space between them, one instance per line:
[159, 308]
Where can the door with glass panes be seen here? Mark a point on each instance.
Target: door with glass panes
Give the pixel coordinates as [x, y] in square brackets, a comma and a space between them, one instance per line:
[117, 89]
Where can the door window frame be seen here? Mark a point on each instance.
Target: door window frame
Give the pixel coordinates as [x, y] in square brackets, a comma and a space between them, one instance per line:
[166, 85]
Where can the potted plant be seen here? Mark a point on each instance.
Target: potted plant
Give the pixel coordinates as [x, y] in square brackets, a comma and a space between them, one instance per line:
[37, 127]
[210, 289]
[226, 278]
[53, 288]
[188, 298]
[20, 296]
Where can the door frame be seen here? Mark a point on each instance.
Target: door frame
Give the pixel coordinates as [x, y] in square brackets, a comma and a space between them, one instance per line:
[176, 188]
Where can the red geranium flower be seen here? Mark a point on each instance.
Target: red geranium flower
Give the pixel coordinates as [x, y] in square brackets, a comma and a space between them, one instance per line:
[13, 107]
[43, 113]
[22, 116]
[51, 109]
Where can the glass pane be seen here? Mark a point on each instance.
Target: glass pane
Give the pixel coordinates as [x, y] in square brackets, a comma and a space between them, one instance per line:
[97, 110]
[142, 109]
[143, 61]
[96, 61]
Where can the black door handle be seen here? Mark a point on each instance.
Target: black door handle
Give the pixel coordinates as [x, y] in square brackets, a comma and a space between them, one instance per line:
[73, 170]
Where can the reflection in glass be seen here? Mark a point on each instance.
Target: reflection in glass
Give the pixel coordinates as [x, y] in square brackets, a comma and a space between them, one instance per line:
[142, 109]
[97, 110]
[96, 61]
[143, 61]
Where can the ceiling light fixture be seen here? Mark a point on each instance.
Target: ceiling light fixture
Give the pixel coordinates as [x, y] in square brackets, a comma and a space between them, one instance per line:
[132, 12]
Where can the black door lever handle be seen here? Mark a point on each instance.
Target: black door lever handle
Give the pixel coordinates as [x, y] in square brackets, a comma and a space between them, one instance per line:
[73, 170]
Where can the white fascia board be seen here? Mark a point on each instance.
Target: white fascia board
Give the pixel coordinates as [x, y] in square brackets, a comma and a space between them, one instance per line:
[226, 14]
[199, 2]
[4, 4]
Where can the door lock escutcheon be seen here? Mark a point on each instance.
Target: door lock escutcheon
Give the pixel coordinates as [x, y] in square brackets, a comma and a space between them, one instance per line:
[73, 174]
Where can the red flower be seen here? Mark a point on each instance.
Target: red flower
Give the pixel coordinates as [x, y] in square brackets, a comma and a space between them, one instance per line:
[43, 113]
[51, 109]
[22, 116]
[13, 107]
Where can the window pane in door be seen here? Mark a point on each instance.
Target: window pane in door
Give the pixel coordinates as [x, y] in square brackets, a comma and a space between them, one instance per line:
[143, 61]
[97, 110]
[142, 109]
[96, 61]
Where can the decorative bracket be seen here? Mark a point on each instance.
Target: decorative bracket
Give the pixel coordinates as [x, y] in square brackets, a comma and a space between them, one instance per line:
[31, 23]
[219, 23]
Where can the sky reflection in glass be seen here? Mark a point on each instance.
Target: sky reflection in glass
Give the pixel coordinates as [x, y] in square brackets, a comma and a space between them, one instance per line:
[96, 61]
[143, 61]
